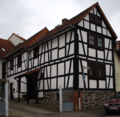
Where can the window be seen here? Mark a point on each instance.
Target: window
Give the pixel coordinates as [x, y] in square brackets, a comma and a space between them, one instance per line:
[97, 70]
[92, 18]
[95, 19]
[3, 70]
[100, 42]
[92, 71]
[101, 70]
[3, 49]
[95, 41]
[99, 21]
[92, 39]
[42, 76]
[19, 61]
[11, 64]
[36, 52]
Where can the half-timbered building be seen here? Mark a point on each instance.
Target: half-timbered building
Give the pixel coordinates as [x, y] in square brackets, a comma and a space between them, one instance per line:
[50, 59]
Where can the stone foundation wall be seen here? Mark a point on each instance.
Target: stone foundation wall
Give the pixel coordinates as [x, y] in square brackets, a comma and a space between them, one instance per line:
[95, 99]
[52, 98]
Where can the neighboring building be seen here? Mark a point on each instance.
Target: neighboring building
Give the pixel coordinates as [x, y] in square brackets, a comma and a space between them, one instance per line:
[16, 39]
[58, 57]
[5, 47]
[117, 65]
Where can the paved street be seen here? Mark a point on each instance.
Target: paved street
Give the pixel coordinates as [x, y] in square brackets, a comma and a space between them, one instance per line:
[35, 110]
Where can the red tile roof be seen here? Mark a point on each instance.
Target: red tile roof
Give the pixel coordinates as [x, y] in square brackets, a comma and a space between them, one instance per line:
[30, 41]
[7, 45]
[76, 19]
[41, 36]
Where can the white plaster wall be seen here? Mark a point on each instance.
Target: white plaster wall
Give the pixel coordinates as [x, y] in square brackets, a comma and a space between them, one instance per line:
[95, 10]
[23, 86]
[54, 54]
[92, 52]
[81, 49]
[98, 29]
[84, 36]
[107, 69]
[40, 94]
[70, 81]
[101, 84]
[103, 24]
[111, 83]
[100, 54]
[85, 46]
[61, 82]
[79, 36]
[104, 31]
[46, 83]
[109, 34]
[93, 27]
[80, 69]
[60, 68]
[84, 63]
[53, 83]
[54, 68]
[15, 84]
[80, 81]
[36, 62]
[81, 23]
[68, 66]
[106, 43]
[86, 24]
[110, 55]
[15, 40]
[61, 53]
[46, 56]
[62, 40]
[55, 43]
[86, 17]
[93, 84]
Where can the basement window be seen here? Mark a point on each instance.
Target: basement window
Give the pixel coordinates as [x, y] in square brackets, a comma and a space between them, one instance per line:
[3, 49]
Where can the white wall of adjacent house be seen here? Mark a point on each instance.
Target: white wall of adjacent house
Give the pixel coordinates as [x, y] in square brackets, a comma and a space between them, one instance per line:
[15, 40]
[1, 60]
[117, 68]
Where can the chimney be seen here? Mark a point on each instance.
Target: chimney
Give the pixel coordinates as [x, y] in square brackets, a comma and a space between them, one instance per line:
[64, 20]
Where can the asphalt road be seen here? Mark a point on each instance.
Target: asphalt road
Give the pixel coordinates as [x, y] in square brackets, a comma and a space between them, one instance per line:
[17, 109]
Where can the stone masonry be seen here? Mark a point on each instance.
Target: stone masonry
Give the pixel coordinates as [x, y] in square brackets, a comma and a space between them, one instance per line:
[52, 98]
[95, 99]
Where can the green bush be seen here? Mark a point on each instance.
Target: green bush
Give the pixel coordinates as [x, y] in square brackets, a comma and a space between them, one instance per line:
[24, 96]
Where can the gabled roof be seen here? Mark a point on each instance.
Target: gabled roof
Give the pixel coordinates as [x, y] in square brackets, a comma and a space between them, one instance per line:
[6, 45]
[76, 19]
[43, 34]
[16, 36]
[30, 41]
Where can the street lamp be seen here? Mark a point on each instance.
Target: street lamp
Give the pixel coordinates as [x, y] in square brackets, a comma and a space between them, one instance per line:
[83, 83]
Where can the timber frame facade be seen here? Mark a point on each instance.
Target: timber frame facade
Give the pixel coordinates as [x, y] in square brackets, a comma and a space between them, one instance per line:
[58, 57]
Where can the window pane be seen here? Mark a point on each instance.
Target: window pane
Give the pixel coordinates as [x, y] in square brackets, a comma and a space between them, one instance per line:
[91, 69]
[100, 70]
[91, 38]
[99, 42]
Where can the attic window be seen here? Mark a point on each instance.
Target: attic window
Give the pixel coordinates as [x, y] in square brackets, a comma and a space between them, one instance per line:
[3, 49]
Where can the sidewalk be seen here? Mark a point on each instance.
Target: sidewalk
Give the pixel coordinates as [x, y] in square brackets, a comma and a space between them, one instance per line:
[23, 109]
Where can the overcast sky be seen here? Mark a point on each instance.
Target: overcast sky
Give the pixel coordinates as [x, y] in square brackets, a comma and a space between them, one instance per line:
[27, 17]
